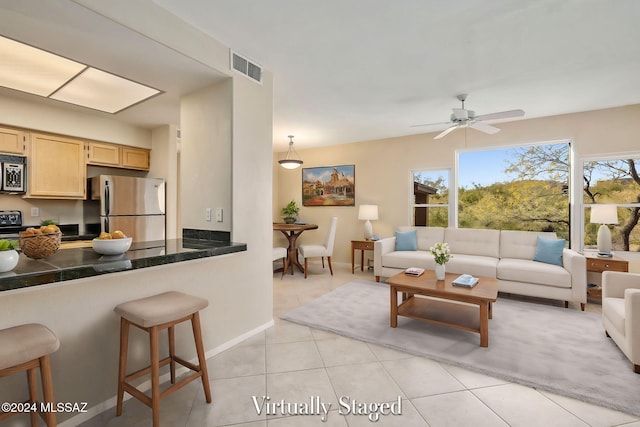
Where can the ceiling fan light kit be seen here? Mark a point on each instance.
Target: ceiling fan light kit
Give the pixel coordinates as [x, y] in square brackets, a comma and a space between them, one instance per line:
[461, 117]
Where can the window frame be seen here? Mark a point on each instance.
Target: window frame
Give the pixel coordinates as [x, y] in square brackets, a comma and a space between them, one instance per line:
[580, 205]
[450, 176]
[574, 211]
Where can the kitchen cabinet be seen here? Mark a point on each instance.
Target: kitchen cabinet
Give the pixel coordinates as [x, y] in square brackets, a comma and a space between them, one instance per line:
[99, 153]
[135, 158]
[12, 141]
[118, 156]
[57, 168]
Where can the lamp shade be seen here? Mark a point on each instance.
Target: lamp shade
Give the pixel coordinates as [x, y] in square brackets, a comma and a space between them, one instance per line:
[604, 214]
[368, 212]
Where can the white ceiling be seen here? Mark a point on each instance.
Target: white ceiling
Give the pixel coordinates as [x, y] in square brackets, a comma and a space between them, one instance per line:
[354, 70]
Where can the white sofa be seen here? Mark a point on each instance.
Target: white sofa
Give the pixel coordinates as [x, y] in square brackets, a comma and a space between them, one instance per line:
[504, 254]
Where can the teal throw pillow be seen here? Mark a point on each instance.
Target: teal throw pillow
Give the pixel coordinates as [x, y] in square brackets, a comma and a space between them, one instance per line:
[406, 241]
[549, 251]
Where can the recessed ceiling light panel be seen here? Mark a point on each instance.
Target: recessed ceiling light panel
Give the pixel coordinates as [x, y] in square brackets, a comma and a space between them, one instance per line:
[32, 70]
[29, 69]
[103, 91]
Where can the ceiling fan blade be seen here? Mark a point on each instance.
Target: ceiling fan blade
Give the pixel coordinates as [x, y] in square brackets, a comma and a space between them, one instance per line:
[483, 127]
[501, 115]
[446, 132]
[460, 113]
[430, 124]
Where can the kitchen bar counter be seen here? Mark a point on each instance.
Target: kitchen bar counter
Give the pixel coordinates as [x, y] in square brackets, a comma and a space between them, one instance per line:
[76, 263]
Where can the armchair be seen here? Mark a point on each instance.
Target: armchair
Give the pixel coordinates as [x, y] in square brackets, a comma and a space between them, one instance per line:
[621, 312]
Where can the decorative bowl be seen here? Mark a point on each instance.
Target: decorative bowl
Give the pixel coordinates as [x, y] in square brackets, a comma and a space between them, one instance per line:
[111, 246]
[8, 260]
[38, 246]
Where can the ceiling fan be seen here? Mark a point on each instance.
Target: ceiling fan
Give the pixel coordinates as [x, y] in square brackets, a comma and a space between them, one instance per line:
[462, 117]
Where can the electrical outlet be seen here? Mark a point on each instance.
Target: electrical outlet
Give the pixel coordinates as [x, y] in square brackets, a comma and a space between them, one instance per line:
[35, 211]
[219, 214]
[207, 214]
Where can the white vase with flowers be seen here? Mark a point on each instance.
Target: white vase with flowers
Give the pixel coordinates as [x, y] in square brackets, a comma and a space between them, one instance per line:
[441, 254]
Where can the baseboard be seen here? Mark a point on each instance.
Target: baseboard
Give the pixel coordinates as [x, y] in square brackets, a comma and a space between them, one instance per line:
[111, 402]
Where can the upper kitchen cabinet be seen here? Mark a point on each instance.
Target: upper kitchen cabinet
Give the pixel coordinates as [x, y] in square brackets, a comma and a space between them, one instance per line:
[12, 141]
[135, 158]
[57, 168]
[99, 153]
[118, 156]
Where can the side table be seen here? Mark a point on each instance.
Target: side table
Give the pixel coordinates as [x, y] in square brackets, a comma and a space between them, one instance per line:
[596, 264]
[361, 245]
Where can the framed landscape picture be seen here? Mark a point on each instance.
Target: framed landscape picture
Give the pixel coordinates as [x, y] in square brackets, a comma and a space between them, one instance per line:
[329, 186]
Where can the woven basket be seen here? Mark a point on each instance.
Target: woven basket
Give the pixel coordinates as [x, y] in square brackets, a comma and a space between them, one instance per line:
[40, 246]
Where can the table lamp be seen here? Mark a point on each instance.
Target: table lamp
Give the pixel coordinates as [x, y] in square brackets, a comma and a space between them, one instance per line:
[368, 213]
[604, 214]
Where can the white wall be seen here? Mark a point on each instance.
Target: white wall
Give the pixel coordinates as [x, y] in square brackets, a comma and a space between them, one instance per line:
[206, 120]
[382, 167]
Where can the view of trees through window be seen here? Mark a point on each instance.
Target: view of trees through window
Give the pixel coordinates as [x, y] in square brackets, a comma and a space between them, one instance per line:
[613, 182]
[520, 188]
[431, 198]
[527, 188]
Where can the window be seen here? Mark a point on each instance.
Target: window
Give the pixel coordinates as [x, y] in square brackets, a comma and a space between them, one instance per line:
[430, 198]
[613, 181]
[518, 188]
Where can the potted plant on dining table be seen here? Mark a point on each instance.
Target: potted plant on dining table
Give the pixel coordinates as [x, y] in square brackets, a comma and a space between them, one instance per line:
[290, 212]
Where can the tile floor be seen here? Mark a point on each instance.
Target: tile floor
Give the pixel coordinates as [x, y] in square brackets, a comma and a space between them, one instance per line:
[296, 363]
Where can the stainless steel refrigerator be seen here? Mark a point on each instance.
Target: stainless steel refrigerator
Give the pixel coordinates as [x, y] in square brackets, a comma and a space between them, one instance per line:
[135, 206]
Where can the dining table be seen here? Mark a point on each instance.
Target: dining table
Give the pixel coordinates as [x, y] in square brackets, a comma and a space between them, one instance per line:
[292, 232]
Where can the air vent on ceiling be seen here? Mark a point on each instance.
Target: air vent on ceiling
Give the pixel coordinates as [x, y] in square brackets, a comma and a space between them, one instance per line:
[246, 67]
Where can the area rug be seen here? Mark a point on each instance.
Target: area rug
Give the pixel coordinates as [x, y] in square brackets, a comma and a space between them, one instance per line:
[564, 351]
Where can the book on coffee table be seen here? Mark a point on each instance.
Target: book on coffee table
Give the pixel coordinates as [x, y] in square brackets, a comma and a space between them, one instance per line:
[465, 280]
[414, 271]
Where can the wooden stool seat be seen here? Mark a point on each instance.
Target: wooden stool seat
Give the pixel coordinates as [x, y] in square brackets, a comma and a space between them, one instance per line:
[152, 314]
[26, 348]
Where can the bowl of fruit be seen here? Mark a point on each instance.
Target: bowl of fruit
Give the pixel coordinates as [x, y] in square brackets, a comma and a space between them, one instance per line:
[114, 243]
[38, 243]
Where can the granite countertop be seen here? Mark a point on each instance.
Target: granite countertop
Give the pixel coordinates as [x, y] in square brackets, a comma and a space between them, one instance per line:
[76, 263]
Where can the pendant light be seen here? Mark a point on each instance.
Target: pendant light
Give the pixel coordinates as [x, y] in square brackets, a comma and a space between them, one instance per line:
[292, 159]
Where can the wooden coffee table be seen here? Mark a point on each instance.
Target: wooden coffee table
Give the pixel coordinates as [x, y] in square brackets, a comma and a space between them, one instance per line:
[446, 304]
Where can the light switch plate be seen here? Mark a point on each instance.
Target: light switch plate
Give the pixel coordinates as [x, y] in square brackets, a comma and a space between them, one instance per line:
[219, 214]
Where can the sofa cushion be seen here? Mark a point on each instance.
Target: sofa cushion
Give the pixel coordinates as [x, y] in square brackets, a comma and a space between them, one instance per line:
[549, 251]
[406, 259]
[406, 241]
[528, 271]
[469, 241]
[521, 244]
[426, 236]
[614, 310]
[472, 264]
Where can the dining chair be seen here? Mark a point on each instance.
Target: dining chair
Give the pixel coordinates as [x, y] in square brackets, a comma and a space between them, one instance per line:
[310, 251]
[280, 253]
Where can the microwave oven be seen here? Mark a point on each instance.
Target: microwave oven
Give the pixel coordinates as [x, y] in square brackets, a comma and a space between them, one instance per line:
[14, 171]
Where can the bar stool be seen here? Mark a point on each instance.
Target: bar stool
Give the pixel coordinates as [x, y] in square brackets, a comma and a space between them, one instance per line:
[26, 348]
[152, 314]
